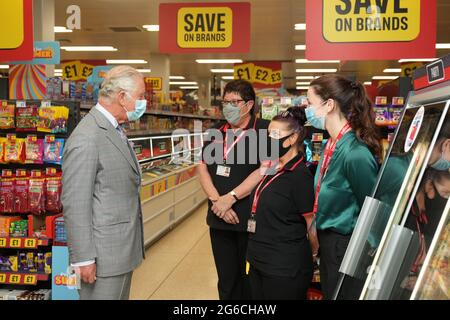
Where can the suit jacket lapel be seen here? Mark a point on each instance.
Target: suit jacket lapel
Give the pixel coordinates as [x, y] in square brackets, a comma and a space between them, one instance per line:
[114, 137]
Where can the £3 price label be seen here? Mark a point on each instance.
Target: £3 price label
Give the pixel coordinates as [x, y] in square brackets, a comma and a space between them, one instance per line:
[275, 77]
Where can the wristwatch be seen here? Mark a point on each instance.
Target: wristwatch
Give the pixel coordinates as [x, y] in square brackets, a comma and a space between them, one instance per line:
[234, 195]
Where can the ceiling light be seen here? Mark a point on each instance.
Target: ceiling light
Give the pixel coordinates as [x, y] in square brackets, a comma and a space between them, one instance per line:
[58, 70]
[4, 66]
[393, 70]
[186, 83]
[89, 48]
[416, 60]
[385, 77]
[305, 77]
[368, 83]
[144, 70]
[189, 87]
[222, 70]
[58, 29]
[302, 88]
[126, 61]
[228, 77]
[151, 27]
[303, 83]
[300, 26]
[218, 61]
[176, 78]
[316, 61]
[316, 70]
[300, 47]
[443, 46]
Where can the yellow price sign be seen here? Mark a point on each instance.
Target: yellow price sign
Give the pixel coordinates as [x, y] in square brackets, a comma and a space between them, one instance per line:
[244, 71]
[2, 243]
[262, 75]
[15, 278]
[85, 70]
[371, 21]
[2, 278]
[155, 83]
[205, 27]
[12, 21]
[30, 279]
[71, 70]
[276, 77]
[30, 243]
[15, 243]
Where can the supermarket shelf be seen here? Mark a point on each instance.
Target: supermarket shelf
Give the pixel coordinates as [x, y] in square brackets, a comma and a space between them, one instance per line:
[24, 279]
[149, 180]
[23, 243]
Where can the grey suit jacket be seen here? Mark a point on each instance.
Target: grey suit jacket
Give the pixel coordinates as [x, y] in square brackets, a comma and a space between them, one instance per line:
[101, 201]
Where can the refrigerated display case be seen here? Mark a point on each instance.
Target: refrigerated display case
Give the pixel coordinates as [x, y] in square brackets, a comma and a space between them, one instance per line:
[396, 239]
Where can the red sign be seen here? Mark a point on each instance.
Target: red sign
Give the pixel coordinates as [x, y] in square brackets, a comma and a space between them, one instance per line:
[370, 29]
[17, 44]
[222, 27]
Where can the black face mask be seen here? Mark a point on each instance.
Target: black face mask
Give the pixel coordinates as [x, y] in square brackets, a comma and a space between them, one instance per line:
[279, 142]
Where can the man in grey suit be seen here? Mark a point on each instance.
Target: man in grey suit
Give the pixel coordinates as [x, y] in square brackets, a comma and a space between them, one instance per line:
[101, 184]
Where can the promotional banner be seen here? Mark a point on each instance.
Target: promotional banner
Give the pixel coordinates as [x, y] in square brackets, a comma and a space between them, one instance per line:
[16, 16]
[27, 82]
[204, 27]
[260, 74]
[64, 284]
[45, 52]
[153, 83]
[370, 29]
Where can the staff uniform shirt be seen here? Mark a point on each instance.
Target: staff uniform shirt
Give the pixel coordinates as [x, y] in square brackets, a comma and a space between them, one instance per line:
[239, 172]
[280, 246]
[351, 176]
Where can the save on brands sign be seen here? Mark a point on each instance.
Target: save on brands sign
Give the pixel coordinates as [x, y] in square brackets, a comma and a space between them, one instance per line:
[370, 29]
[204, 27]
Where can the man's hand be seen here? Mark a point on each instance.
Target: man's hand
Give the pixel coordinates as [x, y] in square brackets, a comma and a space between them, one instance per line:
[223, 204]
[88, 273]
[231, 217]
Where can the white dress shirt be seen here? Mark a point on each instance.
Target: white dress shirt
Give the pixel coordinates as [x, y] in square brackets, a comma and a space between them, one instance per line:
[115, 124]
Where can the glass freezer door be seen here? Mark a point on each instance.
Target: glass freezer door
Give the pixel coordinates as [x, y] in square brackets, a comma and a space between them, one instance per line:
[394, 196]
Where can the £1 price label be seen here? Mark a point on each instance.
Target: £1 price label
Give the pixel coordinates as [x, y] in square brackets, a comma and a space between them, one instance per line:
[30, 243]
[244, 72]
[15, 278]
[2, 278]
[2, 243]
[30, 279]
[15, 243]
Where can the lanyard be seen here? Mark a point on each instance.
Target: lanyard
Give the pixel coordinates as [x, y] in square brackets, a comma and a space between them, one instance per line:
[227, 150]
[259, 191]
[328, 154]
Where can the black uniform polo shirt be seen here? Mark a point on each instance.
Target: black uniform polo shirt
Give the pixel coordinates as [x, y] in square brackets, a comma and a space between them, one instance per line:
[280, 246]
[238, 172]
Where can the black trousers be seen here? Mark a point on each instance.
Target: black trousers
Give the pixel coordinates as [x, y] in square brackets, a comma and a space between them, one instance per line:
[269, 287]
[332, 250]
[229, 250]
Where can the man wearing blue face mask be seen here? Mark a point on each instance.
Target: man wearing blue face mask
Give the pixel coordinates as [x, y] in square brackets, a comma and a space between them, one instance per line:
[102, 180]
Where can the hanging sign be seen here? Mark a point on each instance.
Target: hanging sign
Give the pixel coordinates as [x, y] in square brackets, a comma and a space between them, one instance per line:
[16, 16]
[154, 83]
[76, 70]
[261, 74]
[204, 27]
[370, 29]
[45, 52]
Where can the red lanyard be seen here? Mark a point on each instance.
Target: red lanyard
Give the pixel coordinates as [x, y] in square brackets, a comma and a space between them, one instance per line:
[328, 154]
[226, 150]
[259, 191]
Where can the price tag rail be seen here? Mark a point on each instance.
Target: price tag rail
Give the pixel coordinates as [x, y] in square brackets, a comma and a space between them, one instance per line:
[24, 279]
[23, 243]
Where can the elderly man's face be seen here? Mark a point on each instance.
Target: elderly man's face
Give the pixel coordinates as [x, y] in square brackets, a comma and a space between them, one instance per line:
[128, 100]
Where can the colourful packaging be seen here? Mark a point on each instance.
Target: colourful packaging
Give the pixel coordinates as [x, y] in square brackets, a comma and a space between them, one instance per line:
[5, 224]
[21, 188]
[36, 194]
[27, 118]
[2, 149]
[48, 263]
[53, 119]
[14, 149]
[7, 192]
[53, 150]
[53, 189]
[6, 115]
[34, 150]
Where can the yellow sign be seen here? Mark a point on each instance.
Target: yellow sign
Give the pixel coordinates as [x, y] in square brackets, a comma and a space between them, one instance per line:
[30, 243]
[15, 278]
[15, 243]
[11, 24]
[2, 243]
[262, 75]
[205, 27]
[146, 193]
[30, 279]
[244, 71]
[371, 20]
[276, 77]
[2, 278]
[155, 83]
[408, 69]
[258, 74]
[76, 70]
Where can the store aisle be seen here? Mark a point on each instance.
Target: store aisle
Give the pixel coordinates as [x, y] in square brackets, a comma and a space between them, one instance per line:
[179, 266]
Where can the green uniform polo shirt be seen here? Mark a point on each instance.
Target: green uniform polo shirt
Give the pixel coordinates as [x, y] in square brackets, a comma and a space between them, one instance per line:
[351, 176]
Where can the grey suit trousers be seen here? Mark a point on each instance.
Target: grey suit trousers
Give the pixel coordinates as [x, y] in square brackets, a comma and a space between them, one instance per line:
[107, 288]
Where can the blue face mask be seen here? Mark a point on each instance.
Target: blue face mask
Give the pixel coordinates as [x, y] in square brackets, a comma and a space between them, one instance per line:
[232, 113]
[316, 122]
[139, 109]
[442, 164]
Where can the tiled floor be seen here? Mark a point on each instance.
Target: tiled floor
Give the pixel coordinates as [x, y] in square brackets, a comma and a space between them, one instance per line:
[179, 266]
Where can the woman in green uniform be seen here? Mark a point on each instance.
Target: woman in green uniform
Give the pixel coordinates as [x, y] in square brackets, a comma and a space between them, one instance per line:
[347, 170]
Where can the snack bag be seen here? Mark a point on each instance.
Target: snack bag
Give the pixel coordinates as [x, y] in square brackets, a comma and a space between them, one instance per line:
[7, 192]
[36, 197]
[46, 118]
[34, 150]
[27, 118]
[2, 149]
[6, 116]
[53, 189]
[53, 150]
[14, 149]
[21, 188]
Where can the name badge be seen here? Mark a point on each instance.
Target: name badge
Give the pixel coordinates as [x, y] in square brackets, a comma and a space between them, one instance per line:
[251, 225]
[223, 171]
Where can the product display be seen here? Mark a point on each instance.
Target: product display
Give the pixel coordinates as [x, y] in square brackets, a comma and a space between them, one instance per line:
[53, 150]
[7, 112]
[53, 119]
[42, 294]
[27, 262]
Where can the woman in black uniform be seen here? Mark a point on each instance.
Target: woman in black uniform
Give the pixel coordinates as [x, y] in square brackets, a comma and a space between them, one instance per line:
[279, 253]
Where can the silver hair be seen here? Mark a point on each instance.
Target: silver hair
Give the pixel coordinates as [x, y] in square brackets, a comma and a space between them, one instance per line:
[119, 78]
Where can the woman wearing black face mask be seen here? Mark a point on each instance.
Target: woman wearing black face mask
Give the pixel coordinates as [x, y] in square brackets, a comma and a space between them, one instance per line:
[279, 253]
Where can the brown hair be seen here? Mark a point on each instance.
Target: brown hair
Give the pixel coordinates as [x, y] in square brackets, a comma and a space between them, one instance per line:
[352, 100]
[295, 118]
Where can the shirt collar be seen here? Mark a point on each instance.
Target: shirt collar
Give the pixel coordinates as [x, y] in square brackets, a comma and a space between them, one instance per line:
[291, 165]
[108, 115]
